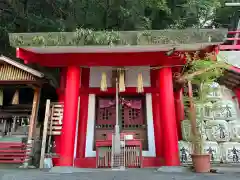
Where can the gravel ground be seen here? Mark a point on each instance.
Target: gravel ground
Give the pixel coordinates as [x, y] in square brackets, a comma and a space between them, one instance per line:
[21, 174]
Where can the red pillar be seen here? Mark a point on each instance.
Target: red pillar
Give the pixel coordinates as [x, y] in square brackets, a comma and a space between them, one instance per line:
[156, 116]
[69, 115]
[237, 92]
[179, 107]
[83, 118]
[60, 93]
[168, 117]
[157, 126]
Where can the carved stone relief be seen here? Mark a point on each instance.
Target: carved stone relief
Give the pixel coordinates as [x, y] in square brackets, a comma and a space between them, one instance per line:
[217, 130]
[234, 127]
[230, 152]
[225, 110]
[213, 149]
[185, 152]
[186, 130]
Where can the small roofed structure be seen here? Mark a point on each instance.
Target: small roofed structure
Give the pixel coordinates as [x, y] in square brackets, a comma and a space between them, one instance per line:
[92, 63]
[18, 121]
[19, 74]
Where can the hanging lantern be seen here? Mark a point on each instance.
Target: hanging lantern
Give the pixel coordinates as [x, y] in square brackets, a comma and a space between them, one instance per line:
[1, 97]
[103, 86]
[121, 81]
[140, 83]
[15, 99]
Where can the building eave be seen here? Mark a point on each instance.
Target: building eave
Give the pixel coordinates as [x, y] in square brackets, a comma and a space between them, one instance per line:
[119, 49]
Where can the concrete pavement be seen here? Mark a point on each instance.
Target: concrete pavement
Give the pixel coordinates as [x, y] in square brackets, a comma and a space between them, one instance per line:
[130, 174]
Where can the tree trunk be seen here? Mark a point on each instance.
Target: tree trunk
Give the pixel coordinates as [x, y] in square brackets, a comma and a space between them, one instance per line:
[192, 115]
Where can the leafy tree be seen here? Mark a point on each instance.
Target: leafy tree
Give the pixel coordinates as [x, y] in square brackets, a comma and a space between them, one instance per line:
[201, 72]
[67, 15]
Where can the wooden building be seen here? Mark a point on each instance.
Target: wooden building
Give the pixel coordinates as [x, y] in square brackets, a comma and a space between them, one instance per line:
[20, 89]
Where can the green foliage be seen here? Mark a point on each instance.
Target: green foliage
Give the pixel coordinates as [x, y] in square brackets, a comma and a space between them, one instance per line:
[98, 38]
[202, 82]
[67, 15]
[202, 73]
[209, 76]
[201, 13]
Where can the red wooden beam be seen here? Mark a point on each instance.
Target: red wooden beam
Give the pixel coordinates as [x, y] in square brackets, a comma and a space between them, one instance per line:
[97, 91]
[129, 90]
[234, 32]
[232, 39]
[157, 58]
[229, 47]
[27, 56]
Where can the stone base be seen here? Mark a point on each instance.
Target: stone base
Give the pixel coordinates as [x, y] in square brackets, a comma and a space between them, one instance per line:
[174, 169]
[226, 169]
[118, 169]
[69, 169]
[27, 167]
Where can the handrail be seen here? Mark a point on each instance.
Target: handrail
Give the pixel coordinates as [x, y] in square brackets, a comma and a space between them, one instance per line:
[233, 46]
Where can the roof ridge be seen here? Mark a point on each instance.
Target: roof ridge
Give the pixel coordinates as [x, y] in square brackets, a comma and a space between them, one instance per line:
[21, 66]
